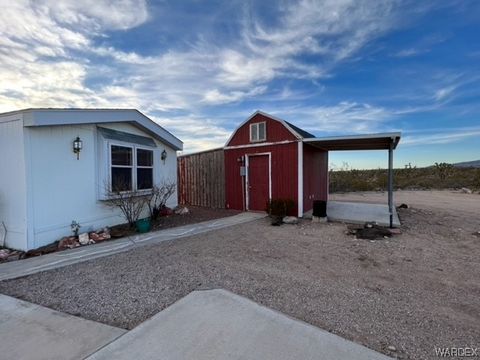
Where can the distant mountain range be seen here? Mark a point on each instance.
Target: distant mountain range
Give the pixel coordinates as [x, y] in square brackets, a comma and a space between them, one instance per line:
[474, 163]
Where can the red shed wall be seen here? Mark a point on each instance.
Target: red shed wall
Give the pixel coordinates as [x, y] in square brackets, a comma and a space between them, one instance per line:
[274, 129]
[284, 173]
[315, 176]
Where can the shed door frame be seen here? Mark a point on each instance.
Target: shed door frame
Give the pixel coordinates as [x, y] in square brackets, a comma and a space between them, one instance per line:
[247, 156]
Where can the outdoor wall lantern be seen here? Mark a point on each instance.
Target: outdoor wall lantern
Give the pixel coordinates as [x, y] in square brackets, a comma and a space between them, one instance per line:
[164, 156]
[77, 147]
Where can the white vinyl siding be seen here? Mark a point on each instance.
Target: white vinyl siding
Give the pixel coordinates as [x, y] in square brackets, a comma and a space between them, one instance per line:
[48, 187]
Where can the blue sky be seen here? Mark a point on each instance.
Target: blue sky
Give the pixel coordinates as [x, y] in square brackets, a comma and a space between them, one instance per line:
[200, 68]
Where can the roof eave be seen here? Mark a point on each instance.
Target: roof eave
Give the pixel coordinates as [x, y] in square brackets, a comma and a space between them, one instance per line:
[385, 140]
[52, 117]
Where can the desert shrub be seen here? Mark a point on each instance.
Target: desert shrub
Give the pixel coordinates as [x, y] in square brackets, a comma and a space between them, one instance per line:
[443, 170]
[159, 196]
[131, 203]
[476, 179]
[280, 207]
[439, 176]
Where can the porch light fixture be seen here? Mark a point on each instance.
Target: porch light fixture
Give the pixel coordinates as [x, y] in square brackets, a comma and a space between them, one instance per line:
[77, 147]
[164, 156]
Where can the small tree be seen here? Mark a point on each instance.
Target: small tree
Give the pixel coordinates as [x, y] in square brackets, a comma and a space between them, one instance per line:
[131, 203]
[159, 196]
[444, 170]
[476, 179]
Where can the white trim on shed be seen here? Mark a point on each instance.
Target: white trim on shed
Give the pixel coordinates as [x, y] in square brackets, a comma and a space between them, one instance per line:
[258, 112]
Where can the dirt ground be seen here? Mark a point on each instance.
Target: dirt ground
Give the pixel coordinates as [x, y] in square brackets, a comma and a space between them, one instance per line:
[414, 292]
[196, 214]
[449, 200]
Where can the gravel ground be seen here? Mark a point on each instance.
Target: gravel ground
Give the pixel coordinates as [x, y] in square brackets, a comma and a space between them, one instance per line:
[196, 214]
[413, 292]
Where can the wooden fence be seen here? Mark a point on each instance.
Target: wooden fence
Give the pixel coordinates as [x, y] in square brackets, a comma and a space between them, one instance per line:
[201, 179]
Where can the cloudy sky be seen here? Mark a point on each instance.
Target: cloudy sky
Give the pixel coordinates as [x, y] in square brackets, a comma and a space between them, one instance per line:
[200, 68]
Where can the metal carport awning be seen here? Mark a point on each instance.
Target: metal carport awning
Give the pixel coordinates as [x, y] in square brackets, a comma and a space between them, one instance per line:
[382, 141]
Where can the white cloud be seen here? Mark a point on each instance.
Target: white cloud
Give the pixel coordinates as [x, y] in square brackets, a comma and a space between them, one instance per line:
[110, 14]
[202, 132]
[443, 93]
[49, 57]
[452, 136]
[408, 52]
[203, 74]
[331, 29]
[239, 70]
[216, 97]
[343, 117]
[36, 43]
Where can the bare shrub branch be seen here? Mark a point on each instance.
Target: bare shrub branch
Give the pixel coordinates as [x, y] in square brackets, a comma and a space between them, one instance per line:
[131, 203]
[159, 196]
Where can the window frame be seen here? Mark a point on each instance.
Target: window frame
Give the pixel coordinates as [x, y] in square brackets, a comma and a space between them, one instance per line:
[111, 166]
[152, 167]
[257, 126]
[133, 167]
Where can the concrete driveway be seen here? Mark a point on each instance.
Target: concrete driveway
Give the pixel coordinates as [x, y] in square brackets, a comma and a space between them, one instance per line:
[29, 331]
[217, 324]
[209, 324]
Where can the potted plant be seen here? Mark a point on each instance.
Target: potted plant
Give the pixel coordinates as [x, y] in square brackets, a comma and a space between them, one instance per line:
[143, 225]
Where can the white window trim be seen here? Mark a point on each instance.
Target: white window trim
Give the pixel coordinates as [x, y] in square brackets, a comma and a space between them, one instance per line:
[300, 178]
[133, 167]
[247, 180]
[257, 125]
[144, 167]
[110, 166]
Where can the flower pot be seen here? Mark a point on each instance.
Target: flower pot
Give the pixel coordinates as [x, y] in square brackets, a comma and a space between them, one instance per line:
[143, 225]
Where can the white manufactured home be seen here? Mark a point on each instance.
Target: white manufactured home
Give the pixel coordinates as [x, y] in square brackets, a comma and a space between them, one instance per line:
[55, 165]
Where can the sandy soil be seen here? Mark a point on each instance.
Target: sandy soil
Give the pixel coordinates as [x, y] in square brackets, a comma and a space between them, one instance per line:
[415, 292]
[445, 200]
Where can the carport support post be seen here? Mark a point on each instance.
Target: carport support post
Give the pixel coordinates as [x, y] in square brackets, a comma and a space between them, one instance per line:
[390, 183]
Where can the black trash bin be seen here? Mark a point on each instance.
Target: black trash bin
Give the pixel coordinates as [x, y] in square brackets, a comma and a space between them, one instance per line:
[319, 208]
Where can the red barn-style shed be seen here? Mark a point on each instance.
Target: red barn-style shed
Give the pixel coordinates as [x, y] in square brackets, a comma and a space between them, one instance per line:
[270, 158]
[266, 158]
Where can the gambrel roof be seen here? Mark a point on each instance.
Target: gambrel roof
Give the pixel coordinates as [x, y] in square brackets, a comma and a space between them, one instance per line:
[295, 130]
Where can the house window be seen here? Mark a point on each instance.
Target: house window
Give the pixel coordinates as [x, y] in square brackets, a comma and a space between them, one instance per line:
[131, 168]
[258, 132]
[144, 169]
[122, 168]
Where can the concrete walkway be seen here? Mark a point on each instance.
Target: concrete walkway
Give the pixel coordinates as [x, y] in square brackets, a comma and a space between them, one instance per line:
[29, 266]
[217, 324]
[360, 213]
[29, 331]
